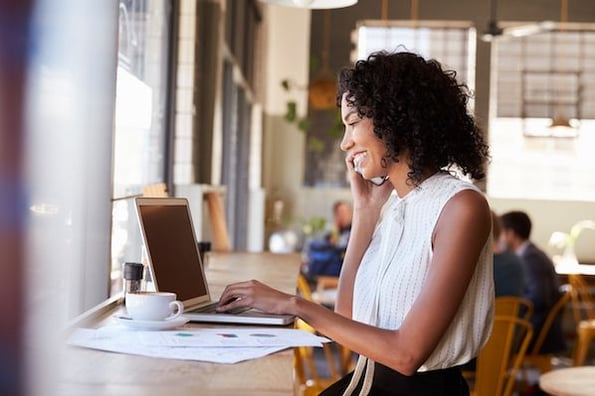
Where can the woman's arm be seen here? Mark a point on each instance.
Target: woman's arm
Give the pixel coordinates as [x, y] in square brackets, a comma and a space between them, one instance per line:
[460, 234]
[368, 201]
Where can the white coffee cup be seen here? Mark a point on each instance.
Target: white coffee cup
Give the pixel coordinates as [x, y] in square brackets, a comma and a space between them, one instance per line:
[147, 305]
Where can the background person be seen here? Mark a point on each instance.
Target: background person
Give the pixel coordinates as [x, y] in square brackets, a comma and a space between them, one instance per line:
[325, 256]
[415, 296]
[509, 275]
[339, 235]
[541, 281]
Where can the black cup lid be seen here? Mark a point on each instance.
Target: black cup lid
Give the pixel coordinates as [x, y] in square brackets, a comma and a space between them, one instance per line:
[204, 246]
[133, 271]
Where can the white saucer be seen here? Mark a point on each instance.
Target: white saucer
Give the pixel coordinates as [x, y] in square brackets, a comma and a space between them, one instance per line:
[151, 324]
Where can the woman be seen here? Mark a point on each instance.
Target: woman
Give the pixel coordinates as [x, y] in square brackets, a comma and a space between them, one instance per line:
[416, 288]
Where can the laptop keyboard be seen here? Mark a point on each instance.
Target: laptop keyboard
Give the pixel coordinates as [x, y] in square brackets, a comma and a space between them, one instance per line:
[212, 308]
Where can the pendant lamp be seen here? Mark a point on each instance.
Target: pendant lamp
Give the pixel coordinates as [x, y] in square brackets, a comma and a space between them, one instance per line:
[561, 126]
[313, 4]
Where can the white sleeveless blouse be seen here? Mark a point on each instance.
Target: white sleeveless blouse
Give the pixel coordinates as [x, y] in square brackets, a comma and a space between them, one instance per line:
[395, 266]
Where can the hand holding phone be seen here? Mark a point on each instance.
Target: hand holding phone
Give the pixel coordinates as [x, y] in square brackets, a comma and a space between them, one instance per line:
[377, 181]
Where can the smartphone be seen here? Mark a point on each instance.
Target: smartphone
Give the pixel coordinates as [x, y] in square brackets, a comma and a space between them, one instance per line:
[377, 181]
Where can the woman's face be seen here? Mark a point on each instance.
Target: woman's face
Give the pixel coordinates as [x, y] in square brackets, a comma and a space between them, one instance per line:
[363, 148]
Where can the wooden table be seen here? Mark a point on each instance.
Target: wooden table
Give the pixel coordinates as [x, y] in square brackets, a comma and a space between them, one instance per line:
[573, 381]
[90, 372]
[566, 267]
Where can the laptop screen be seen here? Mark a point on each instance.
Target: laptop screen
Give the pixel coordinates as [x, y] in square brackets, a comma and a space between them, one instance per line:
[167, 229]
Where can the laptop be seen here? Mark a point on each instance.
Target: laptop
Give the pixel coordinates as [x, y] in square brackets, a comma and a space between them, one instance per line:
[175, 263]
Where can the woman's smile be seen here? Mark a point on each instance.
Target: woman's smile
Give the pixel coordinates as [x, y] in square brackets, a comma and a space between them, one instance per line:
[358, 161]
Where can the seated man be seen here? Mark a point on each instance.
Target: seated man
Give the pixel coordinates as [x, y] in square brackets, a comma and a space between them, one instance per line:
[541, 280]
[509, 277]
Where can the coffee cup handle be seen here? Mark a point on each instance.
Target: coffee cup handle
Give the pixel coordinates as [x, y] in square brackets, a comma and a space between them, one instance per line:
[178, 306]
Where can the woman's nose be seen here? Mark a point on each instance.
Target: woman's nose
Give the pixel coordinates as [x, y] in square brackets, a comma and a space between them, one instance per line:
[346, 141]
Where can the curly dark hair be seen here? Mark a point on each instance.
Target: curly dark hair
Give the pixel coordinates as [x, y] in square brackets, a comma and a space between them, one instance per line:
[417, 106]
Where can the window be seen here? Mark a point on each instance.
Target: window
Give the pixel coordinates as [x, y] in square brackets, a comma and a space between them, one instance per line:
[539, 79]
[239, 98]
[141, 125]
[450, 43]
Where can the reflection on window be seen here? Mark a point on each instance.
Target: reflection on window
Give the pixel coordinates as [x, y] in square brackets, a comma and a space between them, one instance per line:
[141, 96]
[540, 79]
[140, 140]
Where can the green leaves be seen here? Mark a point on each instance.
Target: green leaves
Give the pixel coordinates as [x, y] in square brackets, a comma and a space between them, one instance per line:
[315, 144]
[313, 225]
[336, 131]
[303, 124]
[285, 84]
[563, 240]
[291, 111]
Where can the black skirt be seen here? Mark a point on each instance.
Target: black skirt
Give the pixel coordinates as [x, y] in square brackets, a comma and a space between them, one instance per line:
[388, 382]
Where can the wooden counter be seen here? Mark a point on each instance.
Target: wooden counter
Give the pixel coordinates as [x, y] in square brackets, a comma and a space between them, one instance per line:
[90, 372]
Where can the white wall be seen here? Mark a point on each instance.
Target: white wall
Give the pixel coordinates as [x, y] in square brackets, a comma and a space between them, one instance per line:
[287, 51]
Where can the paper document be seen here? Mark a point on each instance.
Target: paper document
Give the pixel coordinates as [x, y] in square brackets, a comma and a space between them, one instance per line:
[210, 345]
[225, 337]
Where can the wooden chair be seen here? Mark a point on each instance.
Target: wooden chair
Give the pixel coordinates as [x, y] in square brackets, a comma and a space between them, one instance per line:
[311, 384]
[507, 306]
[158, 190]
[325, 292]
[543, 362]
[501, 357]
[513, 306]
[221, 242]
[326, 284]
[581, 299]
[584, 315]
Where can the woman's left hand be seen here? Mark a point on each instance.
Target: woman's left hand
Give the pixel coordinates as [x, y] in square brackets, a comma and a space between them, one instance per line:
[257, 295]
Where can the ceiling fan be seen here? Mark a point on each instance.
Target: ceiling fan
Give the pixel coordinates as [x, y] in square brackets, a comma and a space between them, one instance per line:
[494, 31]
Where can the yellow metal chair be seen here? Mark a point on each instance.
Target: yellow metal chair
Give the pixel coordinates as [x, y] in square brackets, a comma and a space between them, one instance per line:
[513, 306]
[310, 383]
[584, 315]
[502, 356]
[543, 362]
[507, 306]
